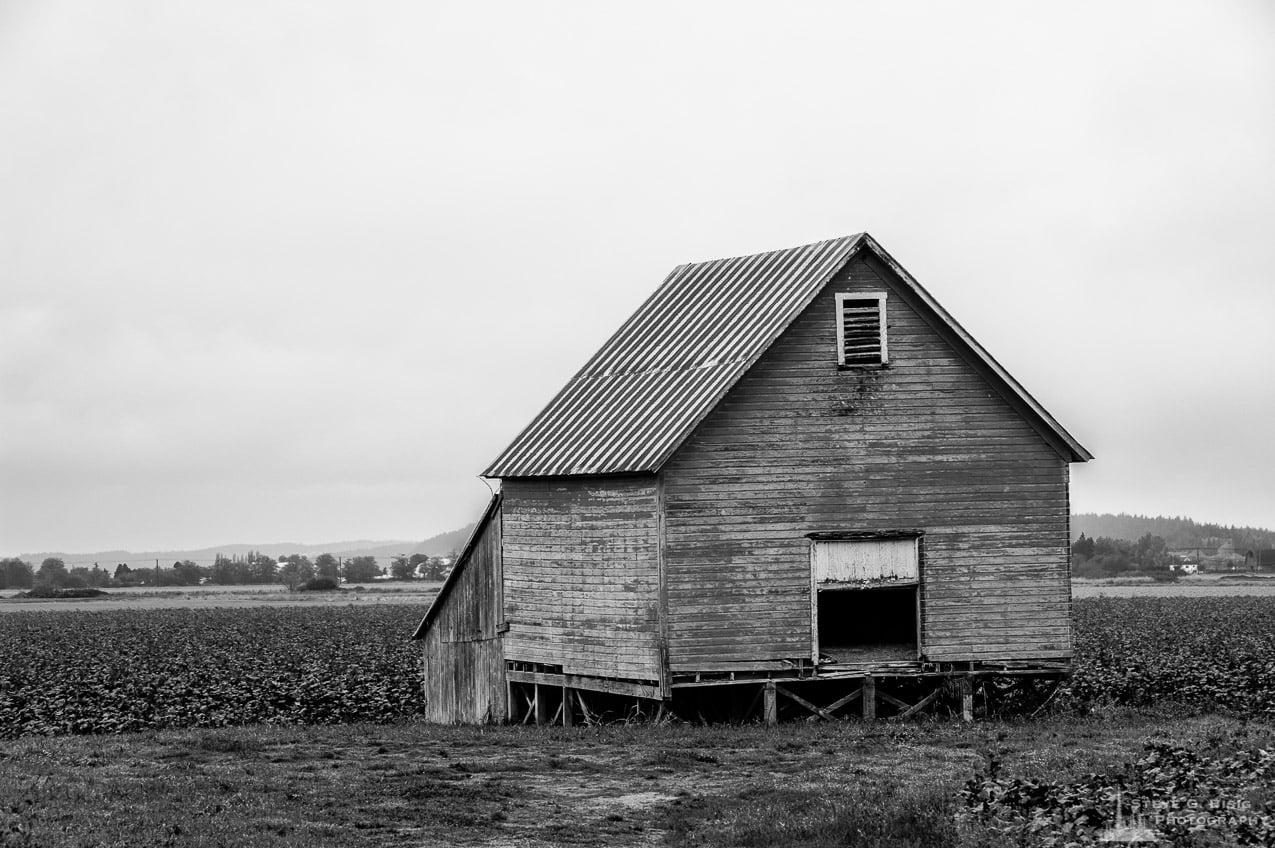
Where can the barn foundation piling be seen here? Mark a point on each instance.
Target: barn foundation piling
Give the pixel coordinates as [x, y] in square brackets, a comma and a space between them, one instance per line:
[967, 694]
[551, 698]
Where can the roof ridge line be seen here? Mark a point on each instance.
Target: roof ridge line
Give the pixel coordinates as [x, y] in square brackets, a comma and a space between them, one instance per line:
[819, 243]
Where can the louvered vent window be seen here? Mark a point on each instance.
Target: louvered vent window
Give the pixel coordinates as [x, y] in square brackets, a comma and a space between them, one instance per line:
[861, 329]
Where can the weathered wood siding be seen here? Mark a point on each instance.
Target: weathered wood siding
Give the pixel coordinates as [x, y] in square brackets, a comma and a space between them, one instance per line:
[581, 566]
[464, 660]
[800, 446]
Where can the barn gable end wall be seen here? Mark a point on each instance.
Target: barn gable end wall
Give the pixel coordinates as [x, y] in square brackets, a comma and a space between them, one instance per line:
[799, 446]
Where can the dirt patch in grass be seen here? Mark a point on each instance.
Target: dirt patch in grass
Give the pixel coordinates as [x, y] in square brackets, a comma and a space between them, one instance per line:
[415, 784]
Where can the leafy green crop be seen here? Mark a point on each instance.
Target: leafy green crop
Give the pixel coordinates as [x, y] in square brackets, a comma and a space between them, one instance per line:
[1204, 653]
[1200, 653]
[120, 670]
[1181, 795]
[114, 671]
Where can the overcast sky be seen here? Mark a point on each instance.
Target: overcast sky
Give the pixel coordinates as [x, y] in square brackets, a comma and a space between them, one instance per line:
[298, 271]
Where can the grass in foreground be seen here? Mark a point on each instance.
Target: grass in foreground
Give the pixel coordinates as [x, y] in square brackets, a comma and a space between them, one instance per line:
[408, 784]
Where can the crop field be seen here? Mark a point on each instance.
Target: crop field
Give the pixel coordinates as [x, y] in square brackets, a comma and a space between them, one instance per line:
[297, 726]
[66, 673]
[1201, 653]
[108, 672]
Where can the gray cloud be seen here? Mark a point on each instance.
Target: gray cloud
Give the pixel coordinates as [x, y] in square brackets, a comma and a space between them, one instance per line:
[298, 271]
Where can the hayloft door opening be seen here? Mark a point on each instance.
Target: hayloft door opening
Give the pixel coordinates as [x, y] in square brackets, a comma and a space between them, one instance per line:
[865, 599]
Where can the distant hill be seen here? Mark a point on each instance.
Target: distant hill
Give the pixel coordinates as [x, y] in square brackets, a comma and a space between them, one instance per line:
[440, 545]
[1178, 533]
[444, 543]
[383, 550]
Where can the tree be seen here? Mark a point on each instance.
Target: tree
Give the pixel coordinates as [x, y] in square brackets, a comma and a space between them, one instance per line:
[123, 575]
[435, 567]
[16, 574]
[326, 565]
[289, 574]
[187, 573]
[402, 568]
[77, 578]
[262, 567]
[361, 569]
[95, 577]
[230, 571]
[294, 570]
[52, 573]
[1152, 553]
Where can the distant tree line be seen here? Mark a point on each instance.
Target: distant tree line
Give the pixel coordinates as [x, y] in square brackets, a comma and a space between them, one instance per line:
[240, 570]
[1105, 555]
[1178, 533]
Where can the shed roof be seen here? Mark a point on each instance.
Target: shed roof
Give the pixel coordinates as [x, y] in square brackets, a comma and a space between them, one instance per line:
[633, 404]
[458, 567]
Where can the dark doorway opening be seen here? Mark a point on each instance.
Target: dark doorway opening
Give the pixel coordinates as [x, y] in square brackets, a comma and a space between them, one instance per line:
[868, 625]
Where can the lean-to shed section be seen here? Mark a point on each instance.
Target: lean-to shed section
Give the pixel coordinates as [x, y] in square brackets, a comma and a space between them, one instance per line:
[462, 633]
[930, 449]
[581, 566]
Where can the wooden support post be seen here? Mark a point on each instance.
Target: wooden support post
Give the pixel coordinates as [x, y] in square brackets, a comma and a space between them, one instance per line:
[567, 718]
[869, 698]
[967, 698]
[770, 706]
[542, 708]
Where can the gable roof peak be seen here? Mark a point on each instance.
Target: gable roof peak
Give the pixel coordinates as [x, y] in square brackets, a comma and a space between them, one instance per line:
[638, 398]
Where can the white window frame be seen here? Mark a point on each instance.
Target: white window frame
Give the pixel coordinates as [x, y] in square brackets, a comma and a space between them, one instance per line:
[880, 298]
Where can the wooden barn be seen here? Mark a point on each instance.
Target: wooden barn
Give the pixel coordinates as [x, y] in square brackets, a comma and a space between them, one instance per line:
[790, 482]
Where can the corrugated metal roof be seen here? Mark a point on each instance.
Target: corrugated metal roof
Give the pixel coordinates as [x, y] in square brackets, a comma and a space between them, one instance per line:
[636, 400]
[666, 368]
